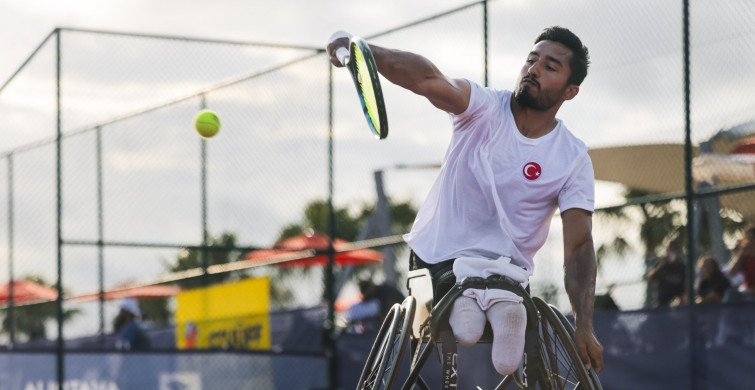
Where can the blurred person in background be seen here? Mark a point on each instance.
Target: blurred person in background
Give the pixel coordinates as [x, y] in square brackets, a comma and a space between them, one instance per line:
[377, 300]
[742, 265]
[605, 302]
[129, 330]
[713, 283]
[668, 274]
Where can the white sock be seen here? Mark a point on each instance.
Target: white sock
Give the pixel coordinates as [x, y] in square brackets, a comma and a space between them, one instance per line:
[508, 321]
[467, 320]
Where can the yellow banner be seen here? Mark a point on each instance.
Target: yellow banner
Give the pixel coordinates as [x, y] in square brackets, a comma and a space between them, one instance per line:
[229, 316]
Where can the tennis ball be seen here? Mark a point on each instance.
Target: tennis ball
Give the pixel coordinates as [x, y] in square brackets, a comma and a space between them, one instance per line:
[207, 123]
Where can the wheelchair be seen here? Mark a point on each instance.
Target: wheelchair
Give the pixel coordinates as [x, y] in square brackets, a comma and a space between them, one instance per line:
[550, 360]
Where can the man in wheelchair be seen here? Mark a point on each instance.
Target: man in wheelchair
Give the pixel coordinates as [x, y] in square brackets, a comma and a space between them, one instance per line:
[509, 165]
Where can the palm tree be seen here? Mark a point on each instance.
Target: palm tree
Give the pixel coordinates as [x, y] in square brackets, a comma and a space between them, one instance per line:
[659, 220]
[192, 258]
[347, 227]
[30, 320]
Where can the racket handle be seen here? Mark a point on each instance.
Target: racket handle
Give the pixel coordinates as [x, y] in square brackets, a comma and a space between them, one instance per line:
[343, 55]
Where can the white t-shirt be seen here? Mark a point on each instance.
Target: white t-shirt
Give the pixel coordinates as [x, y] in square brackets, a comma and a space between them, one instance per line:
[497, 190]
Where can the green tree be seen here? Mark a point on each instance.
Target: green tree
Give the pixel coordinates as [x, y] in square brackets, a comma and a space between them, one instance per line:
[156, 311]
[659, 220]
[30, 320]
[347, 227]
[193, 258]
[317, 218]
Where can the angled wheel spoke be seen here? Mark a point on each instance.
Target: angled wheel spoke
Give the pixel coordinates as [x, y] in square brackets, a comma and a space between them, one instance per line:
[381, 367]
[564, 369]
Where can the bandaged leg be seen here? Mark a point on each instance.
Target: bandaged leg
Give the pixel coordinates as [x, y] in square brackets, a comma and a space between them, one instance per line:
[508, 321]
[467, 320]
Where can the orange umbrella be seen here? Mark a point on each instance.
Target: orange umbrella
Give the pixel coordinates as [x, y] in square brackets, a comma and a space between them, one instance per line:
[27, 291]
[318, 242]
[153, 291]
[745, 147]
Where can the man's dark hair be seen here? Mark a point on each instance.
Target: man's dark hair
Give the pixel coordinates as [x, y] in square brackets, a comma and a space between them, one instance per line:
[367, 288]
[580, 59]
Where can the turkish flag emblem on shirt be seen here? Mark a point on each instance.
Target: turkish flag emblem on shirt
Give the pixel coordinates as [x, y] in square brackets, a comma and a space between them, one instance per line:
[531, 171]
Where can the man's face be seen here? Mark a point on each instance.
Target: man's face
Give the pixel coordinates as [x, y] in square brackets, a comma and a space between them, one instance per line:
[543, 82]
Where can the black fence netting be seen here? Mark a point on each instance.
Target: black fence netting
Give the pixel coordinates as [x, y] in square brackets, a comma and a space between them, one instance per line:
[107, 193]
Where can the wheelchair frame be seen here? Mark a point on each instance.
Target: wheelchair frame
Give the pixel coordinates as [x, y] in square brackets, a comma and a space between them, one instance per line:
[550, 360]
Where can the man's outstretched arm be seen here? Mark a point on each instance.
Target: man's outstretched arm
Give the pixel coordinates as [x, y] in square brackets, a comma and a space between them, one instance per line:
[417, 74]
[580, 270]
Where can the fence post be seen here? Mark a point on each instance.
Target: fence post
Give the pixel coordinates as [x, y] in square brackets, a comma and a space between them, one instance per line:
[329, 326]
[203, 184]
[100, 237]
[485, 38]
[59, 221]
[11, 277]
[689, 194]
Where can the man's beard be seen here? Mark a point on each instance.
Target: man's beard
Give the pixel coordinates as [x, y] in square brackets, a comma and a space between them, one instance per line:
[525, 98]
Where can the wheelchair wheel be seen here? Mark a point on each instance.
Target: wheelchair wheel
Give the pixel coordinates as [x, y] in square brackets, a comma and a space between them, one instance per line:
[569, 328]
[562, 366]
[382, 365]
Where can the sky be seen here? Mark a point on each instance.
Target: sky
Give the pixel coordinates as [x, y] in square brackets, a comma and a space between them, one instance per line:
[27, 23]
[631, 96]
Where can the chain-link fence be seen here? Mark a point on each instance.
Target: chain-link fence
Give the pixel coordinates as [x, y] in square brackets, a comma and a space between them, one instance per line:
[105, 186]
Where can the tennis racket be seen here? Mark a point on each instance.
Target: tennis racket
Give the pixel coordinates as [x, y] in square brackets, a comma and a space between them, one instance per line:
[360, 63]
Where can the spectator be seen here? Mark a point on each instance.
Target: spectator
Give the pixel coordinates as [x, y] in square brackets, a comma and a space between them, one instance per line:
[668, 273]
[743, 261]
[713, 284]
[605, 302]
[385, 294]
[129, 331]
[377, 300]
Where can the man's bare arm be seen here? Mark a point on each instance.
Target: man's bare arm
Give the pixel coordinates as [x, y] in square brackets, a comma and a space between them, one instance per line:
[417, 74]
[736, 265]
[580, 271]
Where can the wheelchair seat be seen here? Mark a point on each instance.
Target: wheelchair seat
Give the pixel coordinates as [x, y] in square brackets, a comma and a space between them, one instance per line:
[424, 288]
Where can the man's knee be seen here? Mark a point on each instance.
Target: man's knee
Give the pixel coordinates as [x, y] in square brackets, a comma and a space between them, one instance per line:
[467, 320]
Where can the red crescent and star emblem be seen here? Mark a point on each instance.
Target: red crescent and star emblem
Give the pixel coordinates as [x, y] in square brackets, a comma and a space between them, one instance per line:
[531, 171]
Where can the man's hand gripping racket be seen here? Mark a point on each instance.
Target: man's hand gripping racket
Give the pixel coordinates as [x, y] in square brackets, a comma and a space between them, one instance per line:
[356, 56]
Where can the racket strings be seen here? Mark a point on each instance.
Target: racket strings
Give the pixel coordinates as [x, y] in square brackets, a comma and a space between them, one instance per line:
[366, 89]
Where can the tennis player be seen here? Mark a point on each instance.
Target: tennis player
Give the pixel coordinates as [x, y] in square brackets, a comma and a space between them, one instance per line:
[511, 163]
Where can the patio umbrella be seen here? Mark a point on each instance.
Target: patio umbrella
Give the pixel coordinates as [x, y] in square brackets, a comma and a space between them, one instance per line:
[26, 291]
[138, 292]
[319, 243]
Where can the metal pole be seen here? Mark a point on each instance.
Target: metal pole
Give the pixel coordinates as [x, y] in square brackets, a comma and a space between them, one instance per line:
[689, 196]
[205, 234]
[11, 277]
[485, 37]
[59, 197]
[100, 237]
[329, 326]
[383, 220]
[688, 189]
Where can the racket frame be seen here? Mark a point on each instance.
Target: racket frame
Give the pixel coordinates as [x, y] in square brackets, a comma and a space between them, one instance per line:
[345, 56]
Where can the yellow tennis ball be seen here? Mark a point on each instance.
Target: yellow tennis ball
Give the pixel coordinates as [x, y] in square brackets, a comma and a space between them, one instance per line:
[207, 123]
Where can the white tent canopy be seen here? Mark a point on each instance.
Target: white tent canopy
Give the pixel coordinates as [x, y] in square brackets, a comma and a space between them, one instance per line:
[659, 168]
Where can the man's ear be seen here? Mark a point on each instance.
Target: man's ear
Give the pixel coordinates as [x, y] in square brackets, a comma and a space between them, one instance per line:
[571, 91]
